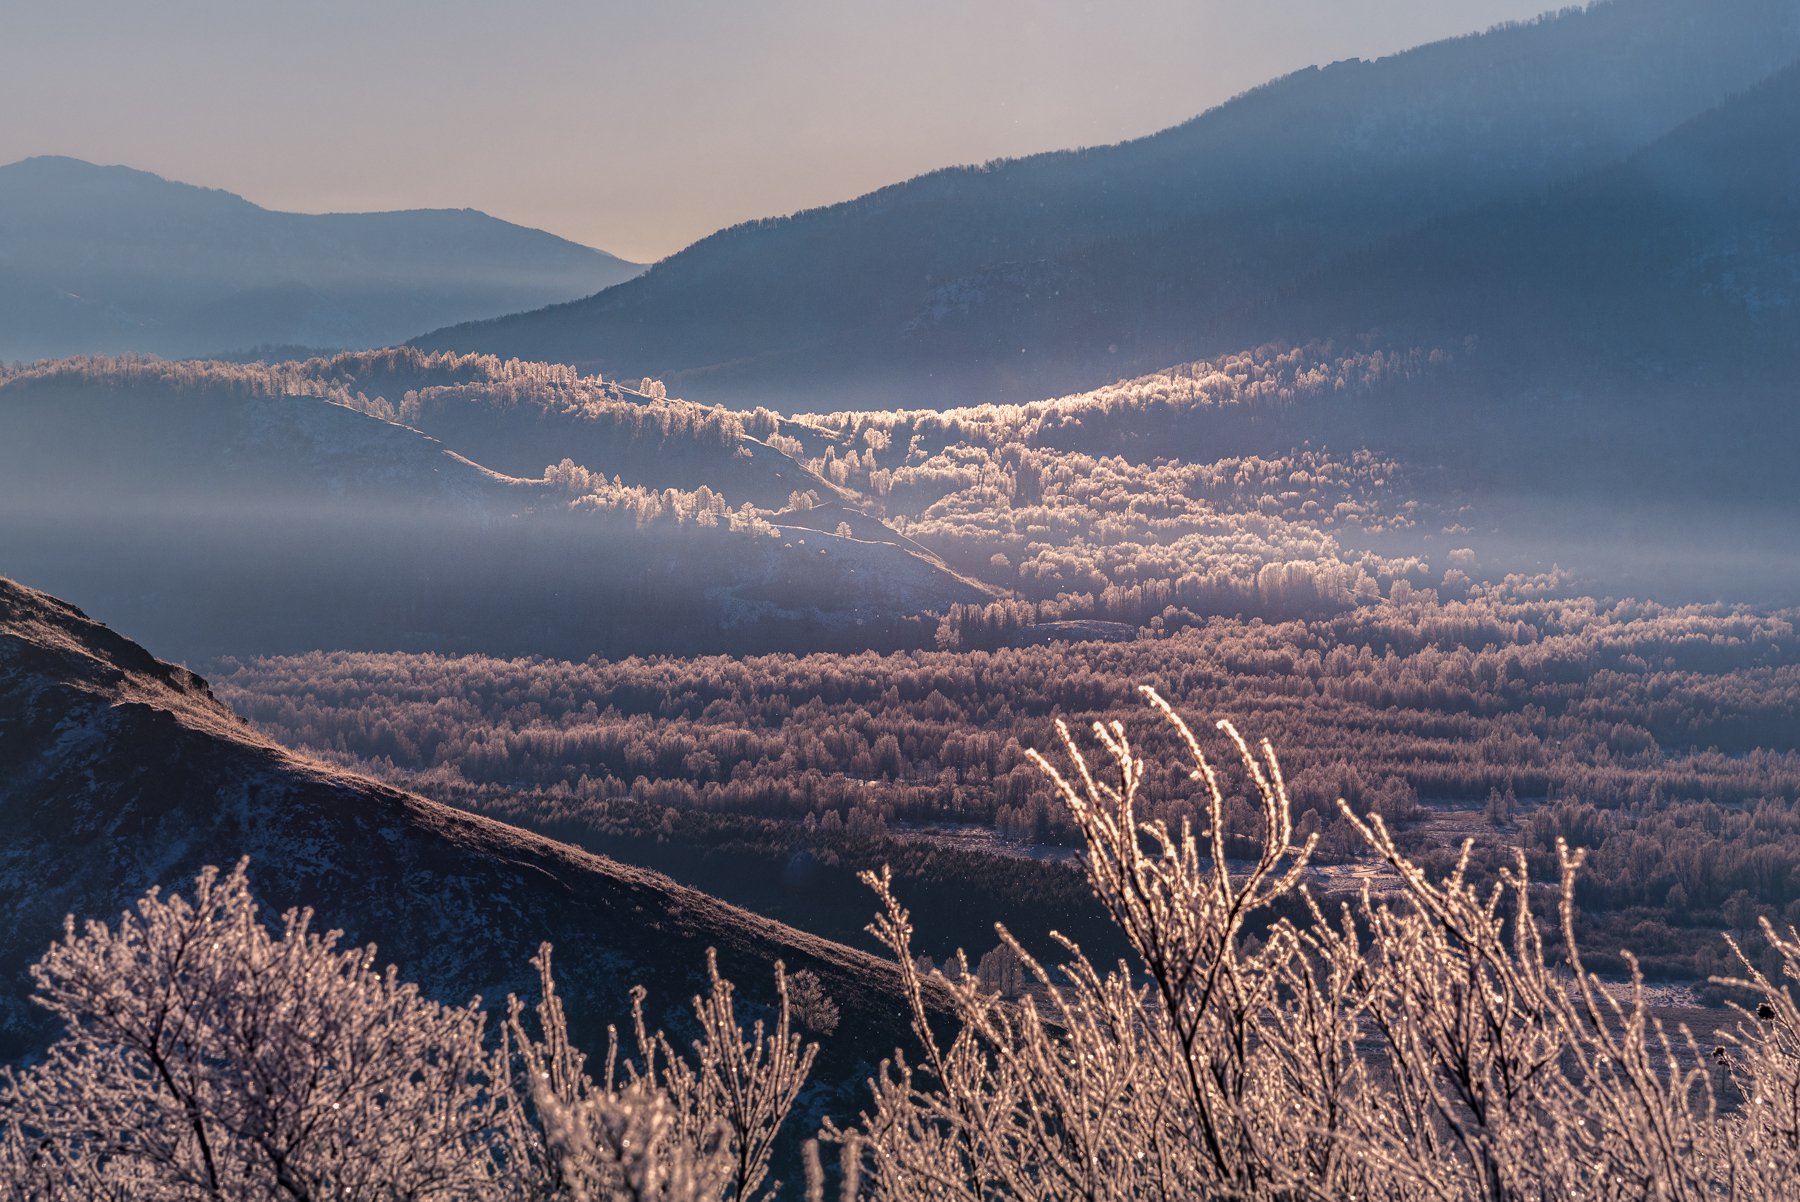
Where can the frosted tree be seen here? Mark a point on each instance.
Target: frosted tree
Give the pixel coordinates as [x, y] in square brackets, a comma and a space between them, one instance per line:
[204, 1056]
[1422, 1043]
[662, 1125]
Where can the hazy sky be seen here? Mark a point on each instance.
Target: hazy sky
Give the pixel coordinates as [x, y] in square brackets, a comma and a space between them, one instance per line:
[640, 126]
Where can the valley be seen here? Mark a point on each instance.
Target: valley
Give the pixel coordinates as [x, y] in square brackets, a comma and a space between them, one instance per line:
[1260, 657]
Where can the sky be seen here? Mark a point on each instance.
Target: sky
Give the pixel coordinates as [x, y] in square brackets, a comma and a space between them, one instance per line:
[639, 127]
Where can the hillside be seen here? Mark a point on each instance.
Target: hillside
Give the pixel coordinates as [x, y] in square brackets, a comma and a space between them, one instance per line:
[1686, 248]
[1029, 278]
[119, 772]
[224, 509]
[517, 417]
[105, 260]
[1630, 334]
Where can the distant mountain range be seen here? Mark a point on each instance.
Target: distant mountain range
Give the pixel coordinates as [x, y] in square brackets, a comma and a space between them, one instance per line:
[104, 260]
[119, 772]
[1550, 272]
[1034, 277]
[240, 509]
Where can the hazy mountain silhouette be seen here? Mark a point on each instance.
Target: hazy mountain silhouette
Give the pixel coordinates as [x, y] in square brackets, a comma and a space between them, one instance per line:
[119, 772]
[1032, 277]
[220, 509]
[102, 260]
[1688, 250]
[1634, 332]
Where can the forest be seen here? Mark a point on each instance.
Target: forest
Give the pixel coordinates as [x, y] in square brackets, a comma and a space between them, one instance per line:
[902, 601]
[1661, 738]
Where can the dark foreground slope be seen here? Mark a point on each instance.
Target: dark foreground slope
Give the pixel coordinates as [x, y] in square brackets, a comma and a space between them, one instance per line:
[1033, 277]
[119, 772]
[218, 509]
[107, 259]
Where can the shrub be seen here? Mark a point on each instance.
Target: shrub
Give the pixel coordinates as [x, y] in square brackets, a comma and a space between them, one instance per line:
[205, 1056]
[1419, 1042]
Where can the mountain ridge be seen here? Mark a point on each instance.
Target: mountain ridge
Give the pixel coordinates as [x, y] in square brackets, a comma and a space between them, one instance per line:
[109, 259]
[1661, 292]
[126, 773]
[1038, 276]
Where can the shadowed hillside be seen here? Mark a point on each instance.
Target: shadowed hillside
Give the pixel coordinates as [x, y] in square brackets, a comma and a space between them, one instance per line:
[1635, 330]
[119, 772]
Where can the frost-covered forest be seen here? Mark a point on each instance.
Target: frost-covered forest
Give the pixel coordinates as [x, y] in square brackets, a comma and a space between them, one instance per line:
[810, 625]
[1661, 738]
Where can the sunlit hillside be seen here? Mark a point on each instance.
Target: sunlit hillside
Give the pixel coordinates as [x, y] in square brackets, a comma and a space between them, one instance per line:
[250, 508]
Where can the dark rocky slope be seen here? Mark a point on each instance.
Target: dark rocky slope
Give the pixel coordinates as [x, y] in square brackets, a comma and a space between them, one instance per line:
[119, 772]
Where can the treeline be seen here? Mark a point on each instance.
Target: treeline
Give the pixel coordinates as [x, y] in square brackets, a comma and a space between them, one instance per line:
[516, 416]
[415, 388]
[1651, 716]
[1135, 411]
[593, 491]
[509, 415]
[1118, 503]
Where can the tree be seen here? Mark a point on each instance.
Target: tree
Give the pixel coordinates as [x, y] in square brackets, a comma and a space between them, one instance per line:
[662, 1126]
[1420, 1043]
[205, 1057]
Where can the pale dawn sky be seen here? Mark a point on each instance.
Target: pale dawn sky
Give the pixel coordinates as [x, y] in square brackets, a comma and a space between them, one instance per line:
[640, 127]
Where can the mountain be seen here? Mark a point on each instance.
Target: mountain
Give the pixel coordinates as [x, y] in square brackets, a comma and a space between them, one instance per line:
[1597, 376]
[119, 772]
[1686, 249]
[1633, 332]
[244, 509]
[1028, 278]
[105, 260]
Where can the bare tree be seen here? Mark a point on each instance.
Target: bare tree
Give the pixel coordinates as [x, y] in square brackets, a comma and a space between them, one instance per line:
[1421, 1043]
[205, 1057]
[662, 1126]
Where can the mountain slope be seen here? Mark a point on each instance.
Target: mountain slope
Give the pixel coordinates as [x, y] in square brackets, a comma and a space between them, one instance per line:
[102, 260]
[225, 509]
[518, 417]
[119, 772]
[1636, 330]
[1689, 241]
[1032, 277]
